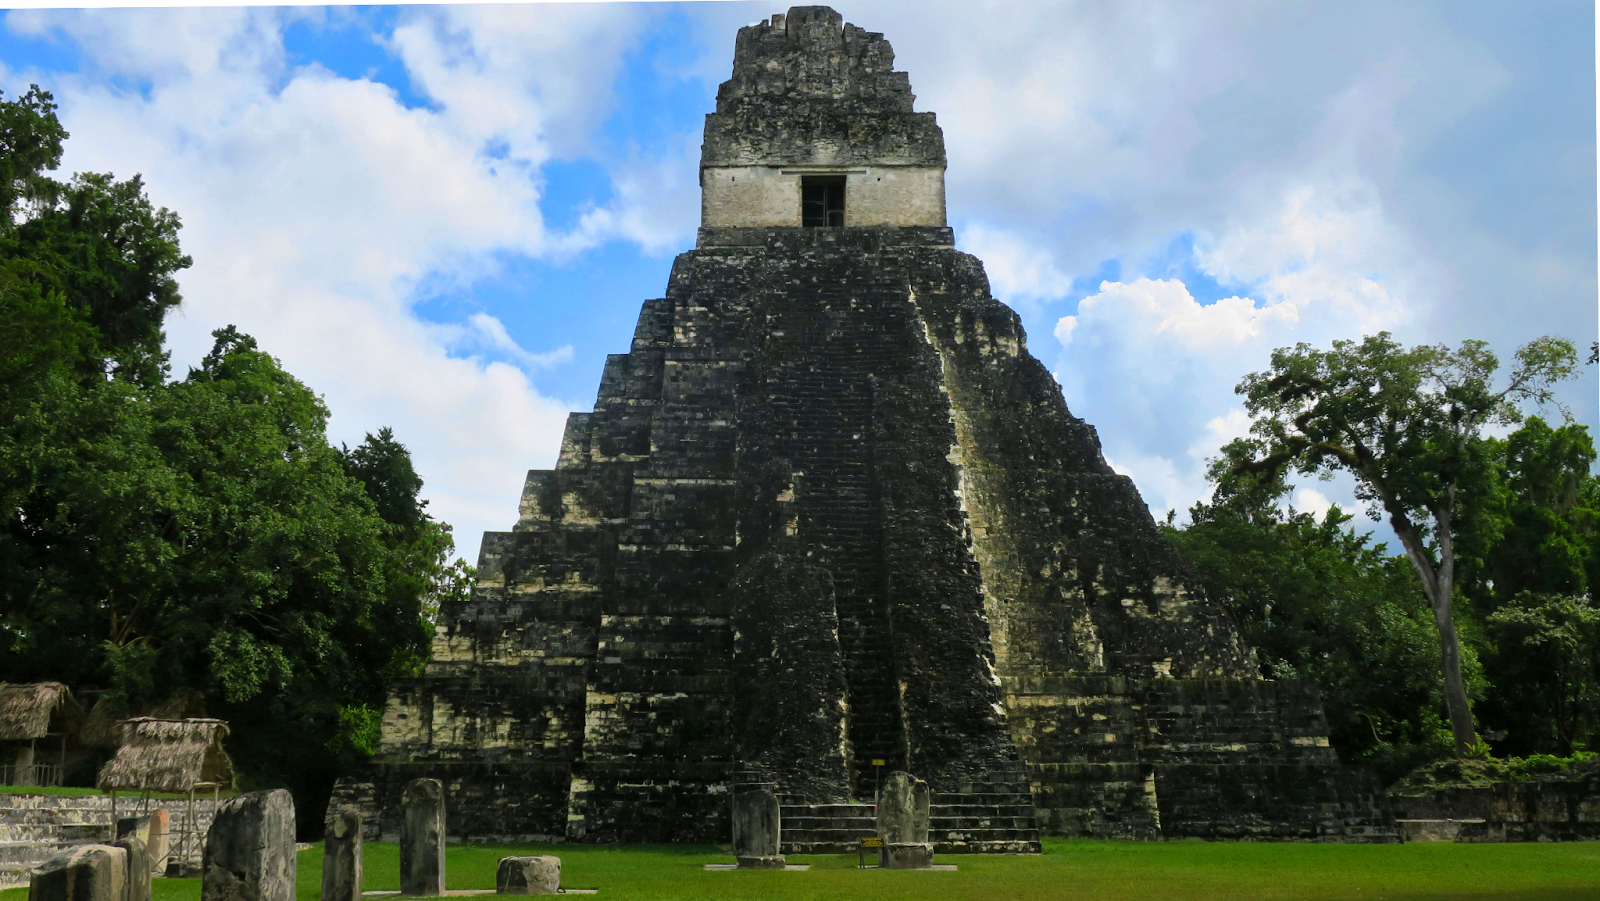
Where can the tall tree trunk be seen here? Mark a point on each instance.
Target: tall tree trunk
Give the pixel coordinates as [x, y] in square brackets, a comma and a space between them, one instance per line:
[1437, 586]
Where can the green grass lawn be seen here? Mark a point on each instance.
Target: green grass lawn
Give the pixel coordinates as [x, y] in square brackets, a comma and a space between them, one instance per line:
[1089, 870]
[46, 790]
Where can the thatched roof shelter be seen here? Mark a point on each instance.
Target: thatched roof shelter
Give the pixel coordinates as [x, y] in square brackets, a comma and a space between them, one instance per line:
[168, 756]
[36, 709]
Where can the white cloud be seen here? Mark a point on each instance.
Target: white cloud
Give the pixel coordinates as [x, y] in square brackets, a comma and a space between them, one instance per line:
[1310, 500]
[483, 332]
[656, 203]
[1020, 273]
[316, 206]
[1320, 158]
[1349, 167]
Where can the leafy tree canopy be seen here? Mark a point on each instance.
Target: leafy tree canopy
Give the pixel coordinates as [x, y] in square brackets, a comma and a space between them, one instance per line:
[197, 534]
[1319, 601]
[87, 267]
[1406, 423]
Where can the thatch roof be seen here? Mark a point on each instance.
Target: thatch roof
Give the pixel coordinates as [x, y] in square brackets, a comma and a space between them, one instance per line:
[26, 709]
[102, 728]
[168, 756]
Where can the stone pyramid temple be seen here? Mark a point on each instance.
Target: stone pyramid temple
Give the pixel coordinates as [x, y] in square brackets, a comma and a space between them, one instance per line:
[829, 519]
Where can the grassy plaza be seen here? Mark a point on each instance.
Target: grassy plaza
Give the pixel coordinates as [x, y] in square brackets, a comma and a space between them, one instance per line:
[1102, 871]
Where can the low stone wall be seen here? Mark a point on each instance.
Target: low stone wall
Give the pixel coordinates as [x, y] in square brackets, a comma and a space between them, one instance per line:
[33, 827]
[1113, 757]
[1539, 810]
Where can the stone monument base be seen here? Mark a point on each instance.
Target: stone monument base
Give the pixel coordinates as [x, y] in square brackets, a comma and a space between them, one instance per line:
[528, 876]
[906, 856]
[775, 862]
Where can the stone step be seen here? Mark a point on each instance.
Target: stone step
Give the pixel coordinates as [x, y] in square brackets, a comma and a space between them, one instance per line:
[1024, 833]
[28, 853]
[984, 799]
[984, 821]
[13, 875]
[989, 847]
[1021, 807]
[789, 806]
[815, 822]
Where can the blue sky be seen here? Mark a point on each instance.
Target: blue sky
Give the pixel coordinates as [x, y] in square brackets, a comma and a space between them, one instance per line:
[443, 218]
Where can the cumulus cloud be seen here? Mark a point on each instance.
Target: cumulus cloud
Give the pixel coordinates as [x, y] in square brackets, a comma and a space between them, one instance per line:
[1316, 161]
[316, 207]
[1332, 170]
[1020, 273]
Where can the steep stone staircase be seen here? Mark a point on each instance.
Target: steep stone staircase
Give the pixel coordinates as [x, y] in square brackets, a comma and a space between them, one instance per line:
[991, 815]
[33, 827]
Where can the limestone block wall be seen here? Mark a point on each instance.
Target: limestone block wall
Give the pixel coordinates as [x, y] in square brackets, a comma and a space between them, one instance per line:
[829, 510]
[1114, 757]
[769, 195]
[782, 544]
[1560, 808]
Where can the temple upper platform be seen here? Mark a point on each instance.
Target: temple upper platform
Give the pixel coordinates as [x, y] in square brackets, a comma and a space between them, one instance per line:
[815, 128]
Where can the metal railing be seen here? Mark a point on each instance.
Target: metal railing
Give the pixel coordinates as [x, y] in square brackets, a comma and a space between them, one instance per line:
[44, 774]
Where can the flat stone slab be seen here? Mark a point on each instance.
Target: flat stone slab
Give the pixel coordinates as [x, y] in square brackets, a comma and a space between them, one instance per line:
[946, 867]
[730, 867]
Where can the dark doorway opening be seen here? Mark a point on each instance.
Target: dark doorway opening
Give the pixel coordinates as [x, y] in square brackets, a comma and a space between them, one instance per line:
[821, 200]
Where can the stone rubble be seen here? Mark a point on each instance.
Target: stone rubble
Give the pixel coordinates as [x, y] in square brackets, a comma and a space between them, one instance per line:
[528, 876]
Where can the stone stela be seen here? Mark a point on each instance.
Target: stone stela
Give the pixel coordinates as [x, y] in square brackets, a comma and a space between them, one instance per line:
[756, 827]
[828, 511]
[84, 873]
[422, 839]
[136, 878]
[903, 814]
[341, 857]
[151, 830]
[249, 850]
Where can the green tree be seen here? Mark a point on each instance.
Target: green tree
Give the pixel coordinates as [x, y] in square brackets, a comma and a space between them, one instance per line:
[198, 534]
[87, 267]
[1528, 536]
[1550, 666]
[1405, 423]
[1318, 601]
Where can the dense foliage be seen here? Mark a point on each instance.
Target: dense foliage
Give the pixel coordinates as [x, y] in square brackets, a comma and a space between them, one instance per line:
[1406, 423]
[1530, 560]
[1320, 601]
[192, 534]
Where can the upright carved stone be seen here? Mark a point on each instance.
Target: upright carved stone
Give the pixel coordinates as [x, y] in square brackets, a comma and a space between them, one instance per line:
[84, 873]
[422, 835]
[136, 882]
[528, 876]
[249, 853]
[756, 821]
[341, 857]
[903, 812]
[158, 838]
[151, 829]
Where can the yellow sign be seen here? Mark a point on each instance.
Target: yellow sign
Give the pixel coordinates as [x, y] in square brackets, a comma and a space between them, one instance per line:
[874, 842]
[877, 763]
